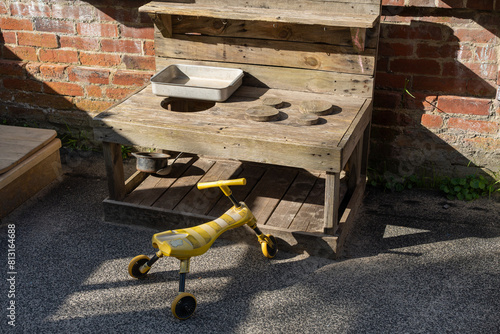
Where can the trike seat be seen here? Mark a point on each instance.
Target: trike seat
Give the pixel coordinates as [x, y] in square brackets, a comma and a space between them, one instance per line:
[194, 241]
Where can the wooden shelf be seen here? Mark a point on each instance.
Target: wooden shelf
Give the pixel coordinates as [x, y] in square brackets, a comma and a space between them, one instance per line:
[333, 19]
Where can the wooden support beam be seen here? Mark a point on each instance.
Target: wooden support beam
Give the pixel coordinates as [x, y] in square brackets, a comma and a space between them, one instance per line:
[114, 170]
[358, 36]
[332, 203]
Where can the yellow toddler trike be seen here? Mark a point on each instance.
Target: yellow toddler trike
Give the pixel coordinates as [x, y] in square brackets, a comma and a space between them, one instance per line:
[188, 242]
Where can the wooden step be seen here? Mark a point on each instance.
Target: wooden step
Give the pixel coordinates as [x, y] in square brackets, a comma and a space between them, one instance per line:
[29, 161]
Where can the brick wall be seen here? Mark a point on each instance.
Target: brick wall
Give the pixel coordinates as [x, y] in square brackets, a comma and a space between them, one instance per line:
[62, 62]
[445, 53]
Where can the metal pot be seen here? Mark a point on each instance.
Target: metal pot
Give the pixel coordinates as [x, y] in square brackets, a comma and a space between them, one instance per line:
[149, 162]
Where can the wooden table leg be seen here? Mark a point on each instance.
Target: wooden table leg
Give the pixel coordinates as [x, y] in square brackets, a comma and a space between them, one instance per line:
[332, 203]
[114, 170]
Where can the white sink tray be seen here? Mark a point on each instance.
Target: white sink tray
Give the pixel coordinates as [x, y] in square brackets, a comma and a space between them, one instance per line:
[197, 82]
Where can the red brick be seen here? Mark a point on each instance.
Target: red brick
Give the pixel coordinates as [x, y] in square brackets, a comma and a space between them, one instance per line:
[470, 70]
[395, 49]
[472, 125]
[486, 144]
[480, 4]
[8, 37]
[464, 105]
[420, 101]
[11, 67]
[97, 29]
[93, 105]
[416, 31]
[432, 121]
[415, 66]
[48, 25]
[53, 71]
[435, 85]
[484, 54]
[63, 88]
[124, 15]
[131, 78]
[121, 46]
[93, 91]
[22, 84]
[139, 62]
[44, 100]
[137, 32]
[9, 23]
[59, 56]
[20, 52]
[3, 8]
[425, 50]
[100, 59]
[475, 35]
[89, 75]
[119, 93]
[389, 80]
[387, 99]
[31, 9]
[45, 40]
[80, 43]
[450, 3]
[480, 87]
[81, 12]
[498, 76]
[32, 68]
[149, 48]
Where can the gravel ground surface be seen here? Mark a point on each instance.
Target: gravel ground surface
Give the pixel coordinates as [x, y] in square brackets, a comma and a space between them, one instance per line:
[415, 263]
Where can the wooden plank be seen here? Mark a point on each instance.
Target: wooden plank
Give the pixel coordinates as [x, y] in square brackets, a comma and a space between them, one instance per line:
[268, 192]
[29, 176]
[19, 143]
[311, 213]
[332, 203]
[202, 201]
[322, 57]
[114, 170]
[183, 185]
[154, 186]
[252, 173]
[208, 26]
[291, 79]
[355, 131]
[293, 200]
[363, 16]
[134, 180]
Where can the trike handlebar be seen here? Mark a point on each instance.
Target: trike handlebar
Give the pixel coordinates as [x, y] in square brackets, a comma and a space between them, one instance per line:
[223, 184]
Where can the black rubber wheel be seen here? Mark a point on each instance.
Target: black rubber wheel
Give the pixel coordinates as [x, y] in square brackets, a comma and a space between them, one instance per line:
[135, 264]
[268, 249]
[183, 306]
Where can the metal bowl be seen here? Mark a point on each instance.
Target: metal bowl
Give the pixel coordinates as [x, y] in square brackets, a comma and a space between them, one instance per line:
[150, 162]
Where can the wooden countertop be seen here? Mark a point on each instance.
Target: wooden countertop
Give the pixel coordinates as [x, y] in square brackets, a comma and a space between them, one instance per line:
[222, 129]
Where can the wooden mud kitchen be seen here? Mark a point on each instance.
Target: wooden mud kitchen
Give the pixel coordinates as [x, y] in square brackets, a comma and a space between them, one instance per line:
[297, 128]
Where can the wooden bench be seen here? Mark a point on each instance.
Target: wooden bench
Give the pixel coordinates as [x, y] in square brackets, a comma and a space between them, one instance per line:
[29, 161]
[296, 51]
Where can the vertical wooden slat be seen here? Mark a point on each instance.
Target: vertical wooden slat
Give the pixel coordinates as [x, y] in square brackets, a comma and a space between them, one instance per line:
[114, 170]
[332, 202]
